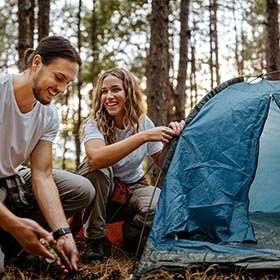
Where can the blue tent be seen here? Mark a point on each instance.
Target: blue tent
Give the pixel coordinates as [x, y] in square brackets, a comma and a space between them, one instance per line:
[220, 202]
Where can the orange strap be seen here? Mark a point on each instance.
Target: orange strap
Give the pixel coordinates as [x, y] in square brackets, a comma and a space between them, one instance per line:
[122, 191]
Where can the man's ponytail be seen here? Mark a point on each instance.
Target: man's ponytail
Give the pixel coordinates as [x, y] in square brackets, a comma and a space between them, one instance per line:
[28, 58]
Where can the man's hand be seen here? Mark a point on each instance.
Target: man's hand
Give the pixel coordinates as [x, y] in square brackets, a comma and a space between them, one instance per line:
[28, 232]
[67, 244]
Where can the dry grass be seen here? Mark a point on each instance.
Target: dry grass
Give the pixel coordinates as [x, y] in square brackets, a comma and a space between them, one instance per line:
[117, 266]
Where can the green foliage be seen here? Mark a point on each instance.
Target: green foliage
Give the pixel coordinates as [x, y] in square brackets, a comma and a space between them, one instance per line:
[69, 163]
[114, 25]
[8, 30]
[254, 52]
[261, 5]
[119, 31]
[113, 28]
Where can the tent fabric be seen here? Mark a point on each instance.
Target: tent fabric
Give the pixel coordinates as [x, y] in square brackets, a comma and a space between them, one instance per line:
[193, 113]
[202, 214]
[268, 164]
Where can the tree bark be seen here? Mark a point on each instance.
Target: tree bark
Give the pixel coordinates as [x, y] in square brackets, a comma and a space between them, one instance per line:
[43, 18]
[94, 40]
[158, 86]
[65, 134]
[272, 42]
[214, 54]
[157, 68]
[79, 118]
[25, 29]
[239, 55]
[180, 97]
[193, 87]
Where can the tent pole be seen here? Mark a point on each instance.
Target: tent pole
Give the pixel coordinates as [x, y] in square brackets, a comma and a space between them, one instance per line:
[143, 227]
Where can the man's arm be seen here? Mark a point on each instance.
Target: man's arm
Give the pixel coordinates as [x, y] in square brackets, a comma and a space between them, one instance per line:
[48, 199]
[25, 231]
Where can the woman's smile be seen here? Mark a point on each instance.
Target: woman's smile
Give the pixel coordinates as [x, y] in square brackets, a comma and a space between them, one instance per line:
[113, 97]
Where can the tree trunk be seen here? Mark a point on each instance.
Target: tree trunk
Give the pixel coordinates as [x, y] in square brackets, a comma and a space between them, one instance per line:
[193, 88]
[157, 67]
[215, 8]
[157, 70]
[272, 42]
[170, 98]
[237, 54]
[94, 40]
[79, 118]
[43, 18]
[211, 62]
[214, 57]
[180, 97]
[65, 133]
[25, 29]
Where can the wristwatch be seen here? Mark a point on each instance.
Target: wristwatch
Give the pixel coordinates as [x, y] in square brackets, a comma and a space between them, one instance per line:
[61, 231]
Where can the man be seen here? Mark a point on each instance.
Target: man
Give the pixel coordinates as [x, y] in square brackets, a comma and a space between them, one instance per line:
[28, 125]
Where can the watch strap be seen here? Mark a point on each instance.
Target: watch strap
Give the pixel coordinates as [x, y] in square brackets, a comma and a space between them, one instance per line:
[61, 231]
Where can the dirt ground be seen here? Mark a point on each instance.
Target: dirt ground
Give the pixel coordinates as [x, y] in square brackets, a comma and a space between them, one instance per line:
[118, 265]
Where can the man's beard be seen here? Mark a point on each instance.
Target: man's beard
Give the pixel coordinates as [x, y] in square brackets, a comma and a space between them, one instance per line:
[37, 92]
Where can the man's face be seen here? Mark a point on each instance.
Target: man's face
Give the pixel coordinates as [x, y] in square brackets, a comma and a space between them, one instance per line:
[51, 80]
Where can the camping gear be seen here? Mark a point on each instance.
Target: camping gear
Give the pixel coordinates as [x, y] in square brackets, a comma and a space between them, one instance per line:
[220, 202]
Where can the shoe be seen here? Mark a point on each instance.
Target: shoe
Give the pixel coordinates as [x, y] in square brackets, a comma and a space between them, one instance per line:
[94, 249]
[130, 246]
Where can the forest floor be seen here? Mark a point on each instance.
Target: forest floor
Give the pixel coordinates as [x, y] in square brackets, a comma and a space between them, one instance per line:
[118, 265]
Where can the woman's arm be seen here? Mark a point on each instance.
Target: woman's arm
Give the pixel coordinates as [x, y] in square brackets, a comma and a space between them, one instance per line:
[101, 155]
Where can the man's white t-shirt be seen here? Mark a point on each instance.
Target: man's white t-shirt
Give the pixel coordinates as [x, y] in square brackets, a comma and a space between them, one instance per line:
[129, 169]
[19, 133]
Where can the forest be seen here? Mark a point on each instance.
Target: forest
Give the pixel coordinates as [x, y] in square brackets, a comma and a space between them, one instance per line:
[178, 49]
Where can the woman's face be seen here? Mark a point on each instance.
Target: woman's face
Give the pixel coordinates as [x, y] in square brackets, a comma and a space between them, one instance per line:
[113, 97]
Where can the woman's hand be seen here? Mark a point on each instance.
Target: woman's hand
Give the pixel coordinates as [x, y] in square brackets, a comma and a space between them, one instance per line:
[163, 133]
[159, 134]
[177, 127]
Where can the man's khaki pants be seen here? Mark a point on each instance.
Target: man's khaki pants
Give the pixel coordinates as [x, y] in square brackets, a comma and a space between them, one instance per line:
[76, 193]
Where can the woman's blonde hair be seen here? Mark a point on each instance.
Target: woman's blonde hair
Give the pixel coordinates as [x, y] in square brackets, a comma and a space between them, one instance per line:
[133, 105]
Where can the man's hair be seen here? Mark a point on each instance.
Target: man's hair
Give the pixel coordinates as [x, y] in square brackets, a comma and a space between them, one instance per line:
[50, 48]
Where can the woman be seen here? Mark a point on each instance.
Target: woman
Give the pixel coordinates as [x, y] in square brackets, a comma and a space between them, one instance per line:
[117, 136]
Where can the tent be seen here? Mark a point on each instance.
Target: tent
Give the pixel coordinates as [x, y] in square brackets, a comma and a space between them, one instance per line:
[220, 201]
